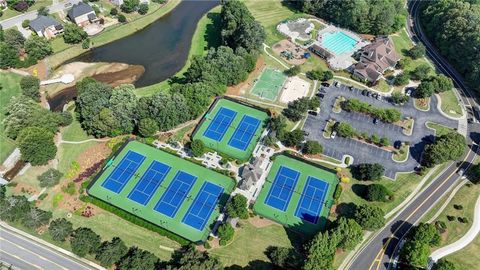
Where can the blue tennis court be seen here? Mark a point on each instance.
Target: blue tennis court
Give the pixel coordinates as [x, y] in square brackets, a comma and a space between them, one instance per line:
[311, 202]
[175, 194]
[123, 171]
[220, 124]
[202, 207]
[282, 188]
[244, 133]
[148, 184]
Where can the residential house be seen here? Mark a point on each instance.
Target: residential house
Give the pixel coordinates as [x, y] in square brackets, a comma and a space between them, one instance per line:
[375, 59]
[46, 26]
[251, 173]
[82, 14]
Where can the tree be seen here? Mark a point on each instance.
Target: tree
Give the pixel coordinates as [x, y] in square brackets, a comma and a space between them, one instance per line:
[312, 148]
[143, 8]
[426, 233]
[237, 207]
[21, 6]
[73, 34]
[278, 123]
[50, 178]
[129, 6]
[415, 253]
[399, 98]
[320, 75]
[402, 79]
[113, 11]
[348, 233]
[36, 217]
[239, 28]
[84, 241]
[293, 138]
[225, 232]
[123, 103]
[369, 217]
[417, 51]
[192, 259]
[36, 145]
[60, 229]
[14, 38]
[368, 171]
[321, 251]
[425, 89]
[14, 208]
[443, 264]
[345, 130]
[8, 56]
[137, 259]
[378, 193]
[474, 174]
[285, 258]
[384, 141]
[443, 83]
[25, 23]
[421, 72]
[43, 11]
[111, 252]
[121, 18]
[297, 108]
[147, 127]
[293, 71]
[30, 86]
[198, 148]
[447, 147]
[3, 192]
[64, 118]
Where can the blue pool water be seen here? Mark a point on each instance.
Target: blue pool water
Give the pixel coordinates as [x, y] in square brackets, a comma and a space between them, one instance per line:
[338, 42]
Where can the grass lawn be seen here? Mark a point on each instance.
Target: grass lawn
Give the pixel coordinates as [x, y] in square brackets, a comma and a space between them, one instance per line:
[439, 129]
[270, 14]
[466, 258]
[401, 154]
[74, 132]
[382, 86]
[9, 13]
[450, 103]
[206, 35]
[112, 33]
[9, 87]
[250, 243]
[314, 63]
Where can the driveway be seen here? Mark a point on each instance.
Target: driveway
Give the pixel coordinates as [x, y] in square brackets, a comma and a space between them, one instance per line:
[365, 153]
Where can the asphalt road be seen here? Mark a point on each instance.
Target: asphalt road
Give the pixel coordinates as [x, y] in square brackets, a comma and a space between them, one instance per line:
[383, 247]
[26, 254]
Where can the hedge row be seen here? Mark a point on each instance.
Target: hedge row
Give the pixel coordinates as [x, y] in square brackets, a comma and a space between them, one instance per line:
[134, 219]
[386, 115]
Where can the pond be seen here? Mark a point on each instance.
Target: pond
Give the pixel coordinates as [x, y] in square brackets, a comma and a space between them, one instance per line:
[161, 48]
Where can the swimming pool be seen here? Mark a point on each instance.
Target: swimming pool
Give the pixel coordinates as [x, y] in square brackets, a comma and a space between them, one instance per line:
[338, 42]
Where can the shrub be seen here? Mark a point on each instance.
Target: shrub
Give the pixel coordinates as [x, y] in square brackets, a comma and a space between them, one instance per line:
[450, 218]
[198, 148]
[293, 71]
[312, 148]
[143, 8]
[21, 6]
[49, 178]
[113, 11]
[207, 245]
[367, 171]
[337, 193]
[225, 232]
[417, 51]
[86, 44]
[458, 206]
[121, 18]
[402, 79]
[69, 188]
[25, 23]
[30, 86]
[378, 192]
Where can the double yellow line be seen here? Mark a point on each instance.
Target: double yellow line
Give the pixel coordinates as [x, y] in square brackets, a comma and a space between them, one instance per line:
[381, 253]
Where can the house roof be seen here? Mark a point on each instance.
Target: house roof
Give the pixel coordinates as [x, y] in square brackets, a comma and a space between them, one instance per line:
[79, 10]
[251, 173]
[376, 57]
[42, 22]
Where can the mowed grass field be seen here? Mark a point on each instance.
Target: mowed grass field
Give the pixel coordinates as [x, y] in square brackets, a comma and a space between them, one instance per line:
[147, 212]
[269, 14]
[288, 217]
[9, 87]
[222, 146]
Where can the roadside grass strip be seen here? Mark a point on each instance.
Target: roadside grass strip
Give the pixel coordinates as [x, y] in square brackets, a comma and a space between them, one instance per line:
[168, 191]
[269, 84]
[297, 195]
[231, 128]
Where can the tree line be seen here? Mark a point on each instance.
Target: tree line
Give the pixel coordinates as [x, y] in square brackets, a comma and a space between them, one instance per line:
[454, 28]
[107, 111]
[362, 16]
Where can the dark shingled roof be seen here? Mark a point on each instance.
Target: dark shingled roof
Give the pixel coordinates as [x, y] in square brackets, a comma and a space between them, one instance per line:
[79, 10]
[42, 22]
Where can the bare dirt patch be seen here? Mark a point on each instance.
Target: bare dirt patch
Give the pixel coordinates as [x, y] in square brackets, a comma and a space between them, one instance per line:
[290, 52]
[260, 222]
[93, 155]
[23, 188]
[241, 88]
[294, 88]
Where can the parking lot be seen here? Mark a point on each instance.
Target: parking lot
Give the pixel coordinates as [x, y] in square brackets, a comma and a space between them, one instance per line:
[366, 153]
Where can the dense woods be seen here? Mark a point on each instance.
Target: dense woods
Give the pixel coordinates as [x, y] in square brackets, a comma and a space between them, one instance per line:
[454, 28]
[362, 16]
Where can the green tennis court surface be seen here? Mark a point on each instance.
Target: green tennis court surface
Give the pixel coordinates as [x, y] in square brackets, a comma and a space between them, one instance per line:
[269, 84]
[297, 194]
[163, 189]
[231, 128]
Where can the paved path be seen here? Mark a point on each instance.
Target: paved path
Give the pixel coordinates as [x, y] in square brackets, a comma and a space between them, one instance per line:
[462, 242]
[85, 141]
[27, 252]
